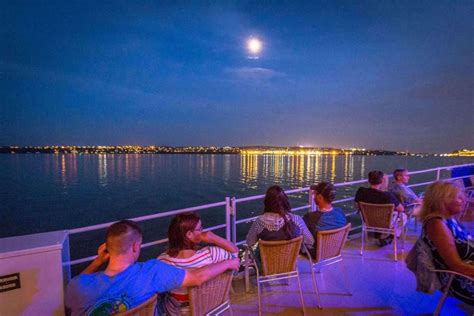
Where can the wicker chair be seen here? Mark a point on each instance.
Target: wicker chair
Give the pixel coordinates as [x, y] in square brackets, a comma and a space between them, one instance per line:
[329, 245]
[147, 308]
[451, 274]
[211, 297]
[278, 263]
[378, 218]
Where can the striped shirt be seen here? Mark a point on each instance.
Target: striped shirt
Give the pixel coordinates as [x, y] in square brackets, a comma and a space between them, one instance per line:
[177, 303]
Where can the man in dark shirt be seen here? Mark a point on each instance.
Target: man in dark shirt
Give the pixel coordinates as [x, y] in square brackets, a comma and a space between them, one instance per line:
[373, 194]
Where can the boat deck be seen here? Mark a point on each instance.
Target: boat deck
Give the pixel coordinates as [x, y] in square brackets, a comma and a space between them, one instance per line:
[380, 286]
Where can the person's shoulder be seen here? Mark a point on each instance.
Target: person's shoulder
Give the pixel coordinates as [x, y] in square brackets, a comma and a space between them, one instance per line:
[258, 220]
[205, 250]
[338, 210]
[149, 264]
[84, 277]
[163, 255]
[216, 250]
[154, 266]
[361, 190]
[295, 218]
[435, 225]
[83, 283]
[396, 185]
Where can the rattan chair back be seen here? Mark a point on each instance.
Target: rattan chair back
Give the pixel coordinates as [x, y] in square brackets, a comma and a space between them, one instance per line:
[279, 256]
[377, 215]
[329, 243]
[210, 294]
[147, 308]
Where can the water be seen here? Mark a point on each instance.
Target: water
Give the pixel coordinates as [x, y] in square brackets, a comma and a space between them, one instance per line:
[52, 192]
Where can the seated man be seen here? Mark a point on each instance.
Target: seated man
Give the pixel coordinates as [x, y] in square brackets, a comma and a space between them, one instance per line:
[373, 194]
[326, 217]
[401, 190]
[126, 283]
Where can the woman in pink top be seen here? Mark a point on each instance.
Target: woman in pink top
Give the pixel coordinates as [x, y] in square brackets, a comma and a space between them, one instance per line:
[185, 233]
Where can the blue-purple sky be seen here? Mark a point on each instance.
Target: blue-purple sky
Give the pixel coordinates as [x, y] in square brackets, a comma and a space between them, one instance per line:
[377, 74]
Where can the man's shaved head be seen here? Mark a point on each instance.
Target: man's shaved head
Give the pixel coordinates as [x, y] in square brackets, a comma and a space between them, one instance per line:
[121, 236]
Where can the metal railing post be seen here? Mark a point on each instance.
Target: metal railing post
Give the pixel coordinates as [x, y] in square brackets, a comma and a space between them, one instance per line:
[438, 172]
[311, 200]
[233, 219]
[228, 224]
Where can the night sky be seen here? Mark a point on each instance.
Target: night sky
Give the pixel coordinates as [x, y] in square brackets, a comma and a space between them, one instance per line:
[393, 75]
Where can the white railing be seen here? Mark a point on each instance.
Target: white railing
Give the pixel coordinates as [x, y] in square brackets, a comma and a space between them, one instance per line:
[231, 204]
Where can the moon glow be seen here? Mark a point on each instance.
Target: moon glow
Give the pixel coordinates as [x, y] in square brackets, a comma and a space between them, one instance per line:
[254, 45]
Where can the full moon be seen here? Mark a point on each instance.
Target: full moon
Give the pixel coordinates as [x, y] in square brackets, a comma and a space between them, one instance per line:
[254, 45]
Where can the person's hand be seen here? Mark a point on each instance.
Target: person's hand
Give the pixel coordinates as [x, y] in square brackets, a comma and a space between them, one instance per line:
[207, 237]
[234, 264]
[102, 253]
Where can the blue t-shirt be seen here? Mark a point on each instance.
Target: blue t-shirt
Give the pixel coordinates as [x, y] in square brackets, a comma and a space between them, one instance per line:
[331, 220]
[317, 221]
[100, 294]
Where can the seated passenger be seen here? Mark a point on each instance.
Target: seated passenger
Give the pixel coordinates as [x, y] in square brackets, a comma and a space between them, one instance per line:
[326, 217]
[373, 194]
[452, 247]
[184, 235]
[277, 221]
[126, 283]
[400, 188]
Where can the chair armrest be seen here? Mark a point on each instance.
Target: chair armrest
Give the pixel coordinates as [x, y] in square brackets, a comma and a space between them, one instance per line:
[453, 272]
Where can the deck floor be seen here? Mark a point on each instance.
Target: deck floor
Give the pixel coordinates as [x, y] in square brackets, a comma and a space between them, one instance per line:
[380, 286]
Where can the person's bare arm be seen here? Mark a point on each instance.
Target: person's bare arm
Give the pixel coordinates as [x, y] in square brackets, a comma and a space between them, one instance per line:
[102, 257]
[443, 240]
[211, 238]
[198, 276]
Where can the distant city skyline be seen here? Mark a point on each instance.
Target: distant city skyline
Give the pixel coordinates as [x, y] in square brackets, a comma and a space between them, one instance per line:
[378, 75]
[251, 150]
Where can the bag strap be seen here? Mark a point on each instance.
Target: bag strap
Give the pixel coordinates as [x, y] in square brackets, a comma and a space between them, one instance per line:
[429, 218]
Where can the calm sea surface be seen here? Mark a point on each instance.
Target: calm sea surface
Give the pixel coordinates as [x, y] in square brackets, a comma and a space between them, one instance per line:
[52, 192]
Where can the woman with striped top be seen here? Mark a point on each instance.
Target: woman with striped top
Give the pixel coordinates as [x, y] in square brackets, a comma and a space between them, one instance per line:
[185, 234]
[277, 221]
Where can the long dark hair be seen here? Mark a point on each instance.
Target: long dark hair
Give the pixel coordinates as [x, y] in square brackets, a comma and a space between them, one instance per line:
[276, 201]
[179, 226]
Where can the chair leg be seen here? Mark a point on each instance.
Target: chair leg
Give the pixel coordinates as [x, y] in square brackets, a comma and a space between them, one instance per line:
[395, 245]
[362, 241]
[301, 292]
[404, 237]
[443, 297]
[259, 297]
[318, 298]
[246, 271]
[346, 278]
